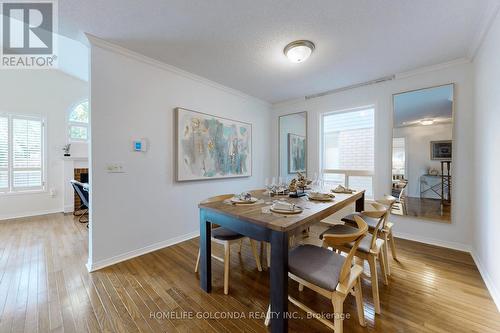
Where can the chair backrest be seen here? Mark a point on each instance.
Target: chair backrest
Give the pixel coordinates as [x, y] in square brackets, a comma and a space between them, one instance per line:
[379, 213]
[339, 239]
[217, 199]
[389, 201]
[82, 194]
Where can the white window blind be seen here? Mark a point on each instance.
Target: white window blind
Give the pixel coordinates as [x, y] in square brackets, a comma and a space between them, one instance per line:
[348, 149]
[21, 153]
[4, 153]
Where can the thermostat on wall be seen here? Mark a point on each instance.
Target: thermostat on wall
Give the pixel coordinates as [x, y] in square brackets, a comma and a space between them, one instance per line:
[140, 145]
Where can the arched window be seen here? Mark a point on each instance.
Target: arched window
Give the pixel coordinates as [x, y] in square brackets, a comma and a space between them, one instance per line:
[78, 122]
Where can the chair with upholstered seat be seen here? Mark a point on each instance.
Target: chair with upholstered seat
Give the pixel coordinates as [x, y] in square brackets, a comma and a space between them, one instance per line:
[370, 248]
[329, 274]
[226, 238]
[386, 232]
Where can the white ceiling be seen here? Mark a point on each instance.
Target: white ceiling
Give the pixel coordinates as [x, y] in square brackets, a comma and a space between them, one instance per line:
[239, 43]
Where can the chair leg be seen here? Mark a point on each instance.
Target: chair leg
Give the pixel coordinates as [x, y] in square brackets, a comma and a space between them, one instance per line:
[373, 273]
[227, 254]
[359, 302]
[81, 218]
[383, 266]
[385, 250]
[338, 308]
[197, 262]
[268, 316]
[256, 255]
[393, 246]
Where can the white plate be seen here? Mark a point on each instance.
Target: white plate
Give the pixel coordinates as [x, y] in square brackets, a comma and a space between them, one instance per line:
[239, 201]
[296, 210]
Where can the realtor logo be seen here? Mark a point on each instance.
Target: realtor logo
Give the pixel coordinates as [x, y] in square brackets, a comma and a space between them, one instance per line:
[28, 31]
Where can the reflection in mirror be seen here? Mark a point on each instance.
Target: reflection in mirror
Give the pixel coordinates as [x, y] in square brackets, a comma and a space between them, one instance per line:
[292, 144]
[421, 153]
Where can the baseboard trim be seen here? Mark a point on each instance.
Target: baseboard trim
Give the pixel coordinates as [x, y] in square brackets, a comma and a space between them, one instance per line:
[92, 267]
[488, 281]
[433, 241]
[30, 214]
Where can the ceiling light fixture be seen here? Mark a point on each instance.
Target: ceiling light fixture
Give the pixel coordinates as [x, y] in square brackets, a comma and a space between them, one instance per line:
[426, 122]
[299, 50]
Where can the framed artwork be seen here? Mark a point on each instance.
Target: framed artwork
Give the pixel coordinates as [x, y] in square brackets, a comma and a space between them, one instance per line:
[296, 153]
[211, 147]
[441, 150]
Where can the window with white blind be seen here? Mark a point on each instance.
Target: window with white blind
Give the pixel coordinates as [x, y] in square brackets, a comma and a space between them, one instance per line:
[21, 153]
[348, 149]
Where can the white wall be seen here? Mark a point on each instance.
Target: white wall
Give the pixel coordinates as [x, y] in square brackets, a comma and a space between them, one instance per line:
[49, 93]
[418, 155]
[455, 235]
[144, 208]
[486, 247]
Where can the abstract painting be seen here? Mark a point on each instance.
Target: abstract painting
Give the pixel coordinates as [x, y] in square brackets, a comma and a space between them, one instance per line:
[210, 147]
[296, 153]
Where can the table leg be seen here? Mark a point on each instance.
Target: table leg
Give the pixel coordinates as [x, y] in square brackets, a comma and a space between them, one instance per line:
[205, 253]
[279, 281]
[360, 203]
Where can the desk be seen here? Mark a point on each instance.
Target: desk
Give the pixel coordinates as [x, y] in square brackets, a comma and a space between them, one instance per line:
[252, 221]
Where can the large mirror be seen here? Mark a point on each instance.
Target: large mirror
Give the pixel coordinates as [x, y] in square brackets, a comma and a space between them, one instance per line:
[422, 153]
[292, 144]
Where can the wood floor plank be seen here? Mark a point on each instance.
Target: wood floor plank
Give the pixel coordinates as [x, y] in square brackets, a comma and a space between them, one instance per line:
[45, 287]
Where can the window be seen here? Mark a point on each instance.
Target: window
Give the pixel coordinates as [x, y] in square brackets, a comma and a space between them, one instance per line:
[21, 153]
[78, 122]
[348, 149]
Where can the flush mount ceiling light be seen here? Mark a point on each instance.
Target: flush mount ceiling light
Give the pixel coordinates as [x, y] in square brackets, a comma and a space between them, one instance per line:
[299, 50]
[426, 122]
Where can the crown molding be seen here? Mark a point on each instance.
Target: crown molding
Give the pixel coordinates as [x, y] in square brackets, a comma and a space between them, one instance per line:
[432, 68]
[489, 16]
[103, 44]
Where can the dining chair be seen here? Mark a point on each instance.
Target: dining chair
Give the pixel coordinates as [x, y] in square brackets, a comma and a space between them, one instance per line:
[329, 274]
[83, 194]
[370, 249]
[386, 233]
[226, 238]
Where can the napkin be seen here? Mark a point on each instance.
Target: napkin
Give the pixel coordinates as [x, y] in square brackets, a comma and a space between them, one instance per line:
[244, 196]
[342, 189]
[321, 195]
[283, 205]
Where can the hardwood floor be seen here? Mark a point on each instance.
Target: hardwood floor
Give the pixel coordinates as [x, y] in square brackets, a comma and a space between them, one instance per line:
[44, 286]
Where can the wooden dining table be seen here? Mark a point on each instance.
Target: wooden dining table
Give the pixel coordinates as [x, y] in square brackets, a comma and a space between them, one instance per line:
[259, 223]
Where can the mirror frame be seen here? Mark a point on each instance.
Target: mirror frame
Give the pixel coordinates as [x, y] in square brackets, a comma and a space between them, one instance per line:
[279, 140]
[453, 86]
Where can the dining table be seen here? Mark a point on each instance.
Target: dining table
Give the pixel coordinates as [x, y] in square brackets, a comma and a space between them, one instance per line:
[258, 222]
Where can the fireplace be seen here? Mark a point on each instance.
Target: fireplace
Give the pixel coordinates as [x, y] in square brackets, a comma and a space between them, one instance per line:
[81, 175]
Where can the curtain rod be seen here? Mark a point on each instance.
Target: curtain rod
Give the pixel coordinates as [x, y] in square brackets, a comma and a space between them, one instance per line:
[357, 85]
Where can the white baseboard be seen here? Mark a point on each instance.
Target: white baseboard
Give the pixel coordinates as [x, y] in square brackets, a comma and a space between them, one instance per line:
[29, 214]
[495, 294]
[92, 267]
[433, 241]
[69, 209]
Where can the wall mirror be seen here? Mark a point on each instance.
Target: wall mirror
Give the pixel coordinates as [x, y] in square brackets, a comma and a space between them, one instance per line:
[292, 129]
[422, 153]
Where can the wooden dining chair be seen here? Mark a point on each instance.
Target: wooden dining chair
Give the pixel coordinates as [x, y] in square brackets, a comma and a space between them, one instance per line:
[386, 233]
[370, 249]
[329, 274]
[226, 238]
